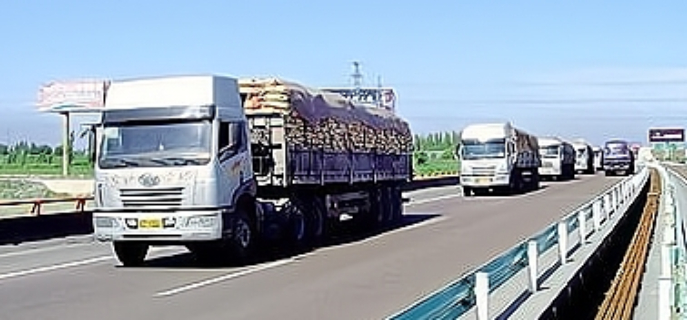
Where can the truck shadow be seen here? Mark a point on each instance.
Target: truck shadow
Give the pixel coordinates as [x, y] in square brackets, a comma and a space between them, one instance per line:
[345, 233]
[505, 194]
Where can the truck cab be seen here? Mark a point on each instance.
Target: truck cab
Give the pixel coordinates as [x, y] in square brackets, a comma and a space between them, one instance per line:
[174, 167]
[618, 158]
[558, 158]
[584, 157]
[598, 156]
[497, 156]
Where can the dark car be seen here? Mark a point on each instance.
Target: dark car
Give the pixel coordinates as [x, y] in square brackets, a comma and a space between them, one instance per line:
[618, 158]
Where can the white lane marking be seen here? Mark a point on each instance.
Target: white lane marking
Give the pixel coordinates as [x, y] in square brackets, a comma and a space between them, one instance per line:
[54, 267]
[425, 223]
[211, 281]
[450, 196]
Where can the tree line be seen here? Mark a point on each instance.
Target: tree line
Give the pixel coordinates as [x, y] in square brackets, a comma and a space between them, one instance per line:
[435, 146]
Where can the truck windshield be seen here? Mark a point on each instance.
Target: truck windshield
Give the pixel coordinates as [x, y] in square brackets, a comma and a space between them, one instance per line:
[477, 150]
[549, 152]
[616, 149]
[581, 153]
[155, 144]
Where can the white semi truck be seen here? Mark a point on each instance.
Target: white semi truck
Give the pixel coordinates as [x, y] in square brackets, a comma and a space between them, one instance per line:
[217, 164]
[558, 158]
[498, 156]
[584, 157]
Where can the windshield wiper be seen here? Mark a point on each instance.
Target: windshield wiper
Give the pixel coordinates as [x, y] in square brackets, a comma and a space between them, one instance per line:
[176, 161]
[121, 162]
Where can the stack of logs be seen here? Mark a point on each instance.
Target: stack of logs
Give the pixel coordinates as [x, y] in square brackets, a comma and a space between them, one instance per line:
[333, 126]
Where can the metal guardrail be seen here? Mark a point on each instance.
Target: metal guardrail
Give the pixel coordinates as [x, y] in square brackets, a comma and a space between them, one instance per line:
[672, 282]
[37, 204]
[473, 289]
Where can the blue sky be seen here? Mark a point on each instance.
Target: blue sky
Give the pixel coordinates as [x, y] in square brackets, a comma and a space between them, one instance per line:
[574, 69]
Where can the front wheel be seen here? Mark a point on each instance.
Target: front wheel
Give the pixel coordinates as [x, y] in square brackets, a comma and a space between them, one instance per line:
[130, 254]
[242, 238]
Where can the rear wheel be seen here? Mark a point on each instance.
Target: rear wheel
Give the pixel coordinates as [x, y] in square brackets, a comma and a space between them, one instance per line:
[315, 220]
[130, 254]
[297, 227]
[396, 204]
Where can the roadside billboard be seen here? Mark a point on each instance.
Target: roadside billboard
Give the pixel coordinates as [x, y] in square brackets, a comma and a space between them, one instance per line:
[386, 97]
[85, 95]
[667, 135]
[668, 143]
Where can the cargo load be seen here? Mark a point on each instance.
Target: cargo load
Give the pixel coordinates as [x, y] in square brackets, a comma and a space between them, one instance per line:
[322, 136]
[319, 119]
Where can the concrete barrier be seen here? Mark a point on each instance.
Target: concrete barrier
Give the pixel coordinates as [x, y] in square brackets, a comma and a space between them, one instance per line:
[35, 228]
[15, 230]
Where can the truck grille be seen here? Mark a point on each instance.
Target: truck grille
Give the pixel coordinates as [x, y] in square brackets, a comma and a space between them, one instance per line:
[152, 197]
[488, 171]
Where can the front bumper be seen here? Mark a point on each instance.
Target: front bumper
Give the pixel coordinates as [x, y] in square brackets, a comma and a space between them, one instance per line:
[549, 171]
[610, 166]
[177, 226]
[497, 180]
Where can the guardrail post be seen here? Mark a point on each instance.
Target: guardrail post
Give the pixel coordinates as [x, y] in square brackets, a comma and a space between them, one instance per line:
[608, 206]
[532, 260]
[582, 221]
[563, 241]
[596, 215]
[36, 209]
[482, 295]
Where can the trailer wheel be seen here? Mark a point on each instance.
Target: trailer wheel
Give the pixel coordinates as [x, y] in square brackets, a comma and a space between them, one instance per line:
[130, 254]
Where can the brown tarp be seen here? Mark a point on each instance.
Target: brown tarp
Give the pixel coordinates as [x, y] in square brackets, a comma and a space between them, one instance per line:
[325, 120]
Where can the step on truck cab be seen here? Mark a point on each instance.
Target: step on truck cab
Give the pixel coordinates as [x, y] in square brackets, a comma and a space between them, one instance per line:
[584, 157]
[218, 165]
[558, 158]
[618, 158]
[497, 156]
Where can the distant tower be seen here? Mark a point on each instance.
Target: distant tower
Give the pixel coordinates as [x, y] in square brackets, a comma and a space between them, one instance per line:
[357, 77]
[379, 91]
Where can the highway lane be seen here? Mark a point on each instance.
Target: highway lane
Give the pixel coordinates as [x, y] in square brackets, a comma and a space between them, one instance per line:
[366, 279]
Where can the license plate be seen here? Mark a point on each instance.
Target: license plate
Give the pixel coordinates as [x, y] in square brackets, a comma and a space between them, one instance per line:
[150, 223]
[483, 180]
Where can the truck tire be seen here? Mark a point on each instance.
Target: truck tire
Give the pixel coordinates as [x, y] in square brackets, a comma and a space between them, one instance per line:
[130, 254]
[396, 202]
[242, 240]
[467, 191]
[296, 226]
[315, 220]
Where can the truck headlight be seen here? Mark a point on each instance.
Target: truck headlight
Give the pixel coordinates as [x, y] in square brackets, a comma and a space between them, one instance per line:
[205, 221]
[106, 222]
[502, 168]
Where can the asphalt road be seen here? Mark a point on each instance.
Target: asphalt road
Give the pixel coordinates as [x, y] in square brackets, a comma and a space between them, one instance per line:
[368, 278]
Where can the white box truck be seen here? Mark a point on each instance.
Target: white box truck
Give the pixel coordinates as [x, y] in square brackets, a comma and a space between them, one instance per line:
[216, 165]
[497, 156]
[584, 157]
[558, 158]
